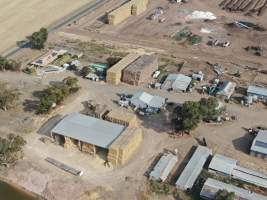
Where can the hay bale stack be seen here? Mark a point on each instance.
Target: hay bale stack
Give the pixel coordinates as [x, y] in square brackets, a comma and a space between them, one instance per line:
[69, 143]
[124, 147]
[123, 118]
[140, 70]
[133, 7]
[114, 74]
[88, 148]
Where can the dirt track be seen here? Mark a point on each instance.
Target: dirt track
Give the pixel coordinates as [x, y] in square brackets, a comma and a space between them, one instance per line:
[20, 18]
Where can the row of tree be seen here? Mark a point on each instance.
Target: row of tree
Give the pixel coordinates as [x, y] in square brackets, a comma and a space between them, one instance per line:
[9, 64]
[191, 113]
[56, 94]
[11, 149]
[8, 97]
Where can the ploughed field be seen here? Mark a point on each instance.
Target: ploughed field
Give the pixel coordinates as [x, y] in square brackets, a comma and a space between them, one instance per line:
[19, 18]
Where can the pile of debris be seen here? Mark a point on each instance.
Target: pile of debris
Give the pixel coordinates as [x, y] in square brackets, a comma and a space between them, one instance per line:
[247, 25]
[202, 15]
[249, 7]
[256, 50]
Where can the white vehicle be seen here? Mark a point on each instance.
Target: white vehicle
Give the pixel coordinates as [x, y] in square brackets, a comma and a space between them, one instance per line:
[92, 77]
[124, 103]
[156, 74]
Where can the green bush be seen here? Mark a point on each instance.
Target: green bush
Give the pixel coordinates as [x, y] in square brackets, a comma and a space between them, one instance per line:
[10, 148]
[9, 64]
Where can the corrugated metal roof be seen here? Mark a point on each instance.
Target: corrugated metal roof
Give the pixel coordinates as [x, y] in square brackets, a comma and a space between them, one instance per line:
[212, 186]
[177, 82]
[257, 90]
[88, 129]
[193, 168]
[143, 99]
[163, 168]
[222, 164]
[250, 176]
[260, 142]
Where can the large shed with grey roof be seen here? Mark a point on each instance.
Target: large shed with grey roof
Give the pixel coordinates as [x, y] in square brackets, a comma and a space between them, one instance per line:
[91, 135]
[177, 82]
[193, 168]
[259, 145]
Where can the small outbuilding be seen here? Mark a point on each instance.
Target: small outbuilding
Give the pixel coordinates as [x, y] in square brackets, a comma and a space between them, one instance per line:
[222, 164]
[225, 89]
[143, 100]
[177, 82]
[163, 167]
[257, 92]
[259, 145]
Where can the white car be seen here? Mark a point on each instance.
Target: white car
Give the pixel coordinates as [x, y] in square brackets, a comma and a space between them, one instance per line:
[156, 74]
[124, 103]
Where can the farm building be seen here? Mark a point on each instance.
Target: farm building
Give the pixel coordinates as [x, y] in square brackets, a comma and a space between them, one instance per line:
[124, 11]
[163, 167]
[144, 100]
[259, 145]
[212, 186]
[177, 82]
[92, 135]
[121, 117]
[140, 70]
[258, 92]
[193, 168]
[114, 74]
[125, 146]
[228, 167]
[225, 89]
[48, 58]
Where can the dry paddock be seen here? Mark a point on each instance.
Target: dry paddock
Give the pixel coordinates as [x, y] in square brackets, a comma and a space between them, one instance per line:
[20, 18]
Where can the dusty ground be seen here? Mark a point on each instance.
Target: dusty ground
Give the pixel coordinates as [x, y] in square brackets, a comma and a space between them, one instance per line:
[20, 18]
[139, 34]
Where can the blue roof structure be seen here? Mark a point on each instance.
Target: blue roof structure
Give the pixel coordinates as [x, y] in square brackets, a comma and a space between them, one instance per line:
[88, 129]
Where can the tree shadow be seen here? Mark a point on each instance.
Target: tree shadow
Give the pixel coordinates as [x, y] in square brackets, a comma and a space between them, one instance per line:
[30, 105]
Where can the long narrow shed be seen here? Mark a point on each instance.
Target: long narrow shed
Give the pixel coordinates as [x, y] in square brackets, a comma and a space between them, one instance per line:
[193, 168]
[163, 167]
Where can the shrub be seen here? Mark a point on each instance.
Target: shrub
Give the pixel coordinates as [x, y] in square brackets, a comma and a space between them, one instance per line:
[38, 39]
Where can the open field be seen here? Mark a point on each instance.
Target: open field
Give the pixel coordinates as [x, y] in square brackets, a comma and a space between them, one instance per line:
[20, 18]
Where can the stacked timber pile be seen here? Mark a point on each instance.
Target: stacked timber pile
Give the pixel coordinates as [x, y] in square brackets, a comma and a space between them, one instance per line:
[125, 146]
[249, 7]
[123, 118]
[132, 7]
[114, 74]
[140, 70]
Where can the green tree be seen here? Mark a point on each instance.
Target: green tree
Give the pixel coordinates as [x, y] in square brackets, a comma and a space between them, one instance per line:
[224, 195]
[10, 149]
[188, 116]
[209, 108]
[85, 71]
[38, 39]
[8, 97]
[72, 83]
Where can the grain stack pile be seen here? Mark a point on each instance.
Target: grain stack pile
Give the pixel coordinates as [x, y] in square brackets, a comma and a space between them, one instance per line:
[69, 143]
[140, 71]
[123, 118]
[114, 74]
[125, 146]
[249, 7]
[133, 7]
